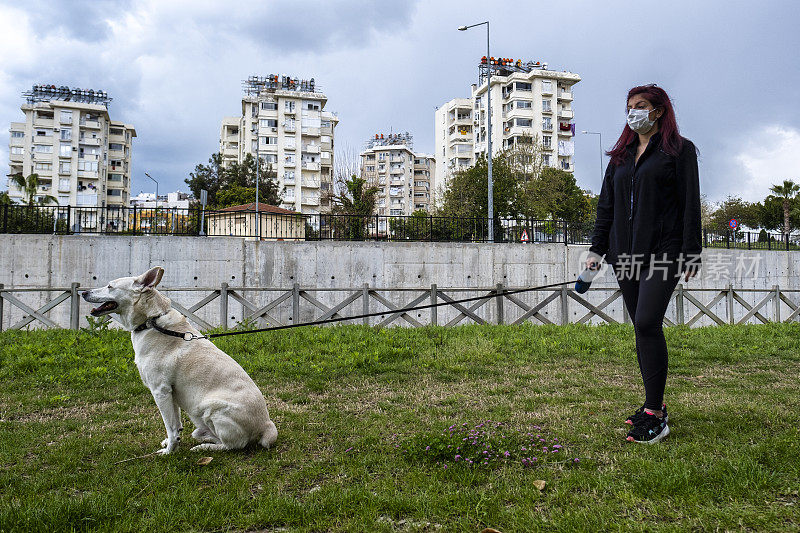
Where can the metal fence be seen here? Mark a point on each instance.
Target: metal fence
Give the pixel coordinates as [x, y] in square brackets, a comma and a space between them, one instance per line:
[209, 308]
[15, 218]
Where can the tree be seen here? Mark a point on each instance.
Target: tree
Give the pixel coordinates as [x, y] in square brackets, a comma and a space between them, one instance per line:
[770, 213]
[355, 199]
[555, 195]
[232, 183]
[210, 177]
[786, 192]
[734, 207]
[5, 199]
[467, 193]
[30, 187]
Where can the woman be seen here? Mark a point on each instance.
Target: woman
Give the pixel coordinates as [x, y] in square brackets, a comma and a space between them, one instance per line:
[648, 229]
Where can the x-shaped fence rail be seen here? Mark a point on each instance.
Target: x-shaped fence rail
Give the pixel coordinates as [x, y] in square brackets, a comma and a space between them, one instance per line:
[300, 299]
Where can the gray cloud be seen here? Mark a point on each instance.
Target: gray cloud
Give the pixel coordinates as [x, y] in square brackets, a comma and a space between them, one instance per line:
[174, 68]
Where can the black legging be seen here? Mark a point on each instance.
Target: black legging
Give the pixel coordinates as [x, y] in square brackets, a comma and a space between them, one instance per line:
[647, 301]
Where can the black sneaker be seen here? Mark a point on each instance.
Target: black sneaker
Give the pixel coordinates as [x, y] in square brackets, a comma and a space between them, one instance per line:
[648, 429]
[640, 412]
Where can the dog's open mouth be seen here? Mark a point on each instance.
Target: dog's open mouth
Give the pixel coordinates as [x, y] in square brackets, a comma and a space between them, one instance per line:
[106, 307]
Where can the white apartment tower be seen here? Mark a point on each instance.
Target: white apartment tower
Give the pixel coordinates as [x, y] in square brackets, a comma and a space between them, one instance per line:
[528, 101]
[283, 121]
[405, 179]
[82, 157]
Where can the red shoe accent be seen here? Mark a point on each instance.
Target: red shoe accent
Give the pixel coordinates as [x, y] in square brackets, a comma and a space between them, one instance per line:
[629, 439]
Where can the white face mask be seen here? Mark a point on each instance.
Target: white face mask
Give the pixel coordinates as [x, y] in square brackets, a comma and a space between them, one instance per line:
[639, 120]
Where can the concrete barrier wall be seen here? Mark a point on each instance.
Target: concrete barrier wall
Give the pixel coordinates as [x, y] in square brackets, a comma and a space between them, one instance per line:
[45, 261]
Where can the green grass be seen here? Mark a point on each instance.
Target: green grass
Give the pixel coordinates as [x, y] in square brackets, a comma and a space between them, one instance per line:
[354, 407]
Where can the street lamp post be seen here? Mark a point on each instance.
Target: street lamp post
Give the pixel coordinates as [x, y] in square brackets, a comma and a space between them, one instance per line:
[488, 123]
[154, 181]
[601, 150]
[258, 165]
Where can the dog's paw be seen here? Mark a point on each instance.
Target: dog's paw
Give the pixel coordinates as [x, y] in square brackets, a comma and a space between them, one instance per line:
[163, 451]
[165, 442]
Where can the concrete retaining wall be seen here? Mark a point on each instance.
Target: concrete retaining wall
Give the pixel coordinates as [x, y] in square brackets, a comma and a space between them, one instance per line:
[40, 261]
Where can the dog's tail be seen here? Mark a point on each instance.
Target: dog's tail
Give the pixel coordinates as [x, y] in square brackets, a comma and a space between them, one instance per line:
[270, 435]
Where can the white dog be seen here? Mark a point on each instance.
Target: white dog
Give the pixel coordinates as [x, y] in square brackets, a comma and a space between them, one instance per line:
[225, 405]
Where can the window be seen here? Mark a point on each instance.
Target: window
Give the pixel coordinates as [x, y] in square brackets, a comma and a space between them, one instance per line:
[115, 192]
[547, 123]
[522, 86]
[547, 141]
[269, 106]
[64, 167]
[546, 159]
[270, 158]
[66, 134]
[288, 175]
[524, 122]
[288, 106]
[17, 134]
[546, 105]
[65, 150]
[326, 124]
[43, 148]
[523, 104]
[66, 117]
[370, 168]
[325, 139]
[547, 86]
[268, 123]
[289, 159]
[88, 166]
[565, 164]
[17, 150]
[115, 146]
[44, 166]
[115, 177]
[269, 140]
[311, 106]
[63, 184]
[115, 131]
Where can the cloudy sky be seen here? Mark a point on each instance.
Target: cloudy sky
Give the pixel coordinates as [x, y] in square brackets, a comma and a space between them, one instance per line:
[174, 69]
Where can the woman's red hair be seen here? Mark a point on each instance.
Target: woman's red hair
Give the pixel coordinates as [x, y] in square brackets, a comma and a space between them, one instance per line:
[671, 140]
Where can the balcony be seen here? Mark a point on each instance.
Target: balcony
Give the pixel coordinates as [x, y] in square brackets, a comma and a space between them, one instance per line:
[565, 95]
[309, 183]
[309, 165]
[566, 113]
[547, 127]
[43, 122]
[89, 141]
[311, 148]
[311, 132]
[230, 152]
[547, 90]
[397, 170]
[310, 200]
[17, 158]
[83, 200]
[289, 128]
[90, 124]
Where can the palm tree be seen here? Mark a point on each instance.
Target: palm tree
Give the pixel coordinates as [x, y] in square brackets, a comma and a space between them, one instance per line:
[29, 187]
[786, 192]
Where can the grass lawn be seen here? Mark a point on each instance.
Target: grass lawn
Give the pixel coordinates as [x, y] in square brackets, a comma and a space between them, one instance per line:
[365, 419]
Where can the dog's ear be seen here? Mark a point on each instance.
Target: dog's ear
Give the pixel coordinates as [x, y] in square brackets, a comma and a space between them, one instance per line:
[150, 279]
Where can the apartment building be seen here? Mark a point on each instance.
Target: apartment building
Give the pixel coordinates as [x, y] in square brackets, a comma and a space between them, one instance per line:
[528, 101]
[405, 178]
[82, 157]
[284, 121]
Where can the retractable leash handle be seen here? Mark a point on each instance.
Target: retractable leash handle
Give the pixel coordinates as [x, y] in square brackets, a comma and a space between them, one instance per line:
[584, 281]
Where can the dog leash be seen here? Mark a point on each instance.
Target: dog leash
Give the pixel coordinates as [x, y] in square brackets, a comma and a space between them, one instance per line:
[189, 336]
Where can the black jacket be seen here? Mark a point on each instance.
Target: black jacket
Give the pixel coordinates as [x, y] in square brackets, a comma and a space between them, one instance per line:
[652, 207]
